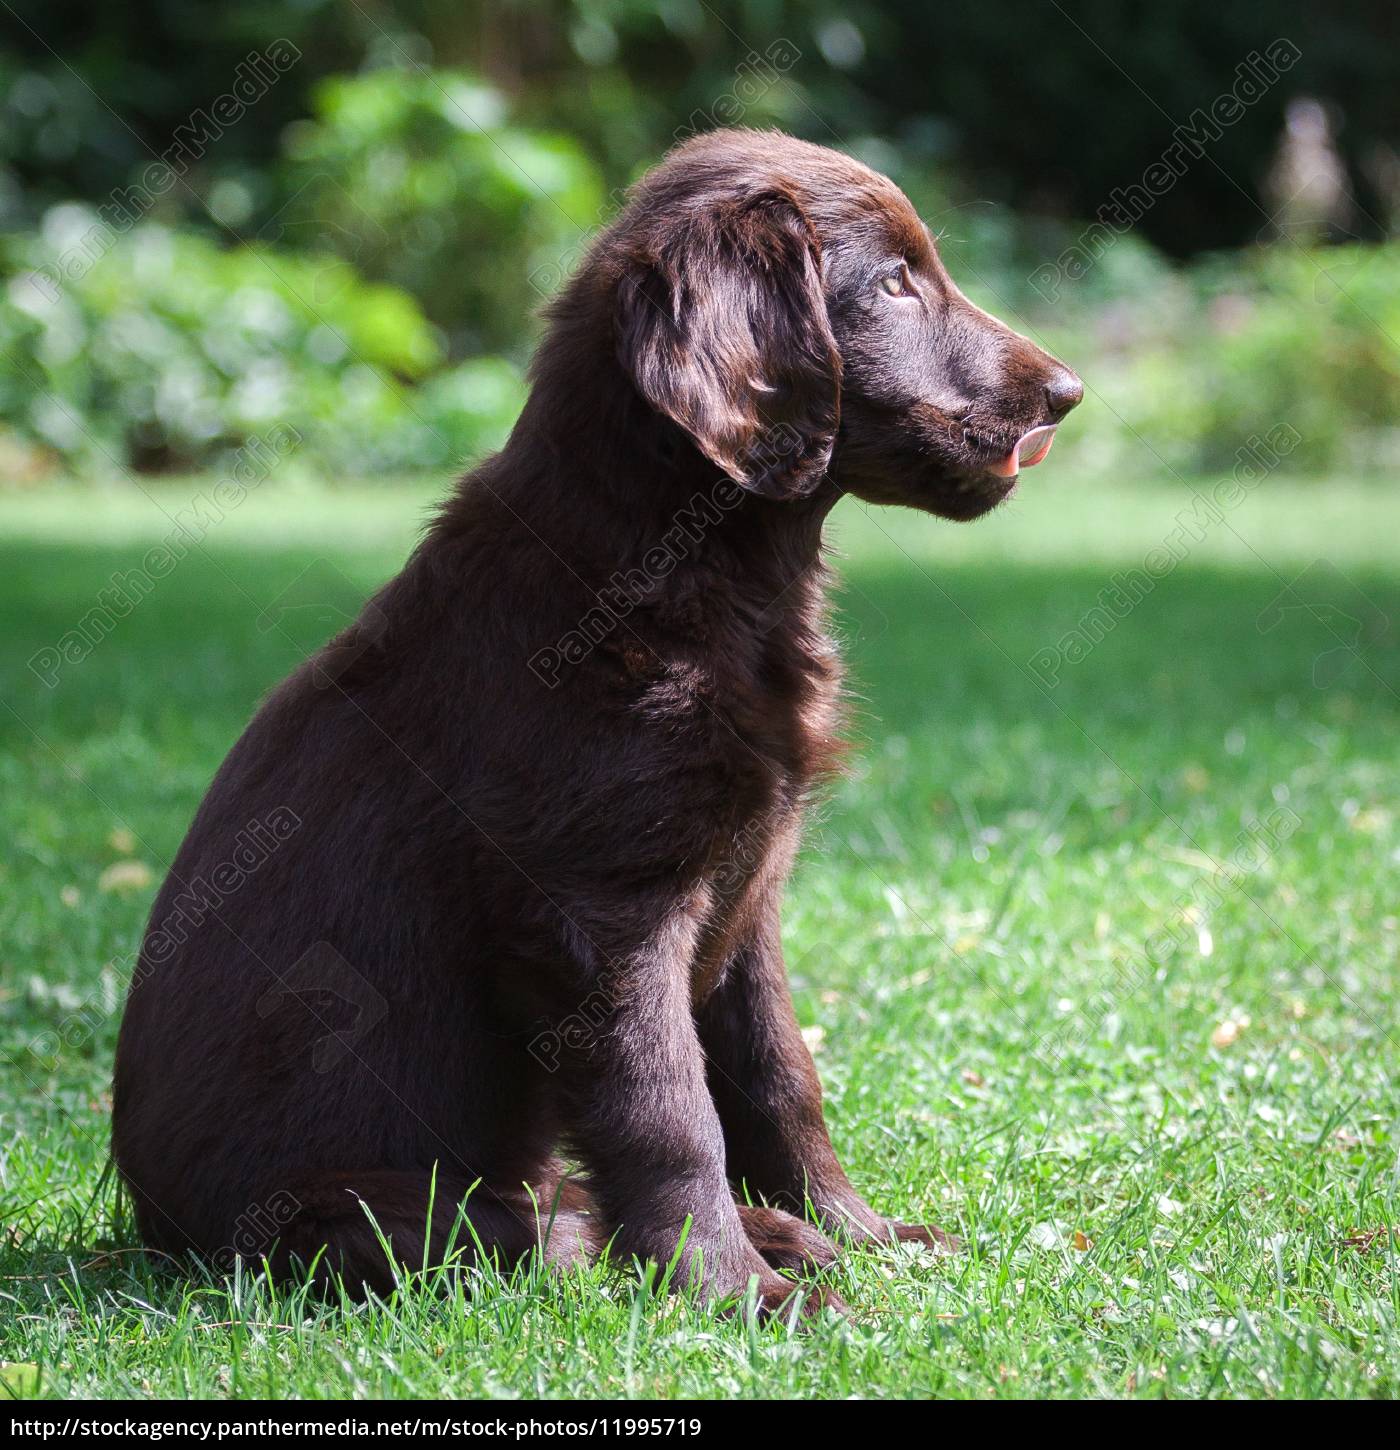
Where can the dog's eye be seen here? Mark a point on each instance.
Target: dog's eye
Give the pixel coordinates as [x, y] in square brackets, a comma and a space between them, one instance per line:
[897, 283]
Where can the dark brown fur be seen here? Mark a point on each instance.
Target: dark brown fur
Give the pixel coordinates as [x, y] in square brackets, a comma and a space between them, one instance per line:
[535, 810]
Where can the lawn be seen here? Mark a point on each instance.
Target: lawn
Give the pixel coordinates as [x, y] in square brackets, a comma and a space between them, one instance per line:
[1097, 947]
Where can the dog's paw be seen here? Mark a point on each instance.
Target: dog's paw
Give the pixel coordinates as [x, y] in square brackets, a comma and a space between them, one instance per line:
[781, 1299]
[923, 1233]
[786, 1241]
[812, 1300]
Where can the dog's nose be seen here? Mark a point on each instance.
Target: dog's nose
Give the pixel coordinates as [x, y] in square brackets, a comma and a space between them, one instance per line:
[1063, 392]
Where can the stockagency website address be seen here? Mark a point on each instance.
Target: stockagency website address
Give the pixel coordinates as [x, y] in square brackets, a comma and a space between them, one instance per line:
[486, 1428]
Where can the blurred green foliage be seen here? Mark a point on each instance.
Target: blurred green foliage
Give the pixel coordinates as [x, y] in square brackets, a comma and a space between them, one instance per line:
[169, 350]
[359, 247]
[419, 178]
[1045, 105]
[1190, 368]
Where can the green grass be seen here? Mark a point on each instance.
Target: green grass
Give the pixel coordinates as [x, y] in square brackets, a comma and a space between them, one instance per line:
[1072, 999]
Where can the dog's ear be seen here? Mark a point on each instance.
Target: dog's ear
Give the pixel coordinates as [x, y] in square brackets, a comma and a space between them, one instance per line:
[723, 328]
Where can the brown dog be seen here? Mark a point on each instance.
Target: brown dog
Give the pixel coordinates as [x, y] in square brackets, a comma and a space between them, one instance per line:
[497, 874]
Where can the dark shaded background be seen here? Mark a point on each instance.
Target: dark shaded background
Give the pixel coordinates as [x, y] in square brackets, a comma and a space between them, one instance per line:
[1046, 105]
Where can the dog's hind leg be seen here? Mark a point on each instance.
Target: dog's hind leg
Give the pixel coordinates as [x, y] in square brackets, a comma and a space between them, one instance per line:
[365, 1229]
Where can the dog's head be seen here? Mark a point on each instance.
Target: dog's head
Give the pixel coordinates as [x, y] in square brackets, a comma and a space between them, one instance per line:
[786, 307]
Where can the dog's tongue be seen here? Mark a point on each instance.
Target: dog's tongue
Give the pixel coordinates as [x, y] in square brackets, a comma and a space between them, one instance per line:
[1030, 449]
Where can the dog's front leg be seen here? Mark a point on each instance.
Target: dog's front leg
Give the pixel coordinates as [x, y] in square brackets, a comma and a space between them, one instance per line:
[640, 1116]
[769, 1098]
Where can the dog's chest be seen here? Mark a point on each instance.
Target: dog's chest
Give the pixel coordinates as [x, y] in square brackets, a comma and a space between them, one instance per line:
[754, 671]
[779, 736]
[735, 694]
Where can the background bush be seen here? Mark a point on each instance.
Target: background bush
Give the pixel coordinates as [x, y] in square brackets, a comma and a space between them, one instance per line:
[171, 350]
[417, 178]
[1187, 365]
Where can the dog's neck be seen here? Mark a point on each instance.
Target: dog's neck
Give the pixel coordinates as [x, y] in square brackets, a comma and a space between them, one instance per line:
[653, 501]
[639, 518]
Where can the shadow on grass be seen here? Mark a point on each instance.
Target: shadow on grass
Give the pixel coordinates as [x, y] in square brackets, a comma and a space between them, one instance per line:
[1201, 648]
[927, 651]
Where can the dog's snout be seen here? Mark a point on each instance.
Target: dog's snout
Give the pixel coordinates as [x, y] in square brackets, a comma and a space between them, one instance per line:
[1063, 392]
